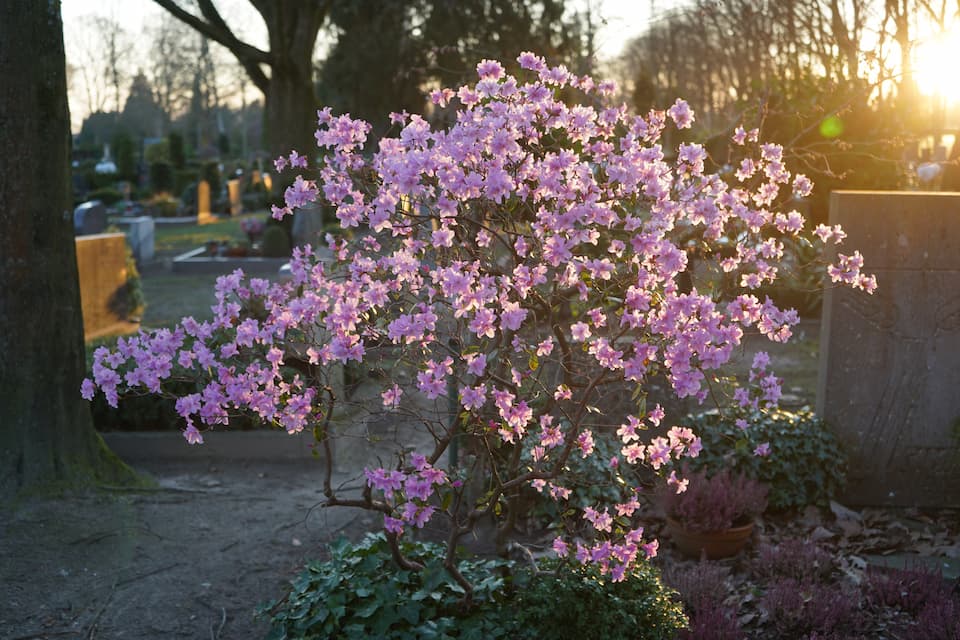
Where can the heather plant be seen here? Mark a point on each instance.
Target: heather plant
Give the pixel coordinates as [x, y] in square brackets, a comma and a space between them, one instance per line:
[714, 503]
[800, 609]
[802, 560]
[522, 263]
[703, 588]
[909, 589]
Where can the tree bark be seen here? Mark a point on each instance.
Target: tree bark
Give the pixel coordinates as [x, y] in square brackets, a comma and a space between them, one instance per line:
[46, 432]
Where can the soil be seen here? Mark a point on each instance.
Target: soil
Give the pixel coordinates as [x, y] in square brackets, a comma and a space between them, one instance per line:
[191, 558]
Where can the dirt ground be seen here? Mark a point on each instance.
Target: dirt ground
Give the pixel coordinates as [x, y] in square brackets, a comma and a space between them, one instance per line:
[192, 558]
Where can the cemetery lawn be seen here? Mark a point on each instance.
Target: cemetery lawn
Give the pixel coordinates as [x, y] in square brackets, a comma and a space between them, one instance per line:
[172, 240]
[171, 297]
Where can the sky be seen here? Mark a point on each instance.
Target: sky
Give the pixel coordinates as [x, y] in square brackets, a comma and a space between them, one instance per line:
[619, 20]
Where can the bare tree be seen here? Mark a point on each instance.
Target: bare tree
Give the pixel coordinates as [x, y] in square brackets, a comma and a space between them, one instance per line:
[284, 73]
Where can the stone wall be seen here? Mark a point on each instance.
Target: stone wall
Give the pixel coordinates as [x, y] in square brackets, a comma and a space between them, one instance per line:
[890, 363]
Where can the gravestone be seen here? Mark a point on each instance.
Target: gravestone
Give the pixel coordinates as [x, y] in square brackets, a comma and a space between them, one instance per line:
[889, 379]
[308, 226]
[140, 237]
[89, 218]
[236, 196]
[102, 275]
[203, 203]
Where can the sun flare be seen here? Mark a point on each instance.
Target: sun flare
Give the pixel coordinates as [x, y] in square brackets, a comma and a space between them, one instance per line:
[935, 65]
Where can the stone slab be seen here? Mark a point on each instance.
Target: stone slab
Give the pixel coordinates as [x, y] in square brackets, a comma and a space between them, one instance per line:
[102, 270]
[889, 380]
[197, 262]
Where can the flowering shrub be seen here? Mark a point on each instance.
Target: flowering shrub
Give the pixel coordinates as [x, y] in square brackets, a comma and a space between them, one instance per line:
[525, 261]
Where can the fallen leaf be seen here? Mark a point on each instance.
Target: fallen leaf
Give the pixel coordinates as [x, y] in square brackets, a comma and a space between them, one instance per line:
[822, 533]
[843, 513]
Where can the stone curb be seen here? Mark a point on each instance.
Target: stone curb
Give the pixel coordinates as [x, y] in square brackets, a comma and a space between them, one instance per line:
[274, 446]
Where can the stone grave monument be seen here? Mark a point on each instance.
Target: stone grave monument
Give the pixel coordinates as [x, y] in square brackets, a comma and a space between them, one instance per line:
[889, 380]
[203, 203]
[235, 193]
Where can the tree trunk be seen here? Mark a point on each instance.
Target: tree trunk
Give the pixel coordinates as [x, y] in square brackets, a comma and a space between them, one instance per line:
[290, 112]
[46, 432]
[290, 98]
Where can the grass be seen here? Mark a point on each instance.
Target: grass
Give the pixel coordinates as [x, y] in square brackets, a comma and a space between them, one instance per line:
[171, 297]
[177, 239]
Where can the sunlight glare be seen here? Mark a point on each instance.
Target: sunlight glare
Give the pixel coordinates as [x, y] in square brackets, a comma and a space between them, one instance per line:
[935, 65]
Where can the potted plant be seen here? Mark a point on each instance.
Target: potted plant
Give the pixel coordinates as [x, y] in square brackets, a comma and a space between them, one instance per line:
[715, 514]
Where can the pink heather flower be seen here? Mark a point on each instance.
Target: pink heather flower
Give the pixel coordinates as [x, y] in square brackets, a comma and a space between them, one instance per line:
[443, 237]
[300, 193]
[802, 186]
[563, 392]
[673, 481]
[531, 61]
[585, 443]
[761, 360]
[489, 70]
[393, 525]
[297, 160]
[391, 397]
[442, 97]
[658, 452]
[650, 549]
[560, 548]
[192, 436]
[545, 348]
[762, 450]
[739, 135]
[580, 331]
[278, 213]
[473, 397]
[741, 424]
[476, 363]
[681, 114]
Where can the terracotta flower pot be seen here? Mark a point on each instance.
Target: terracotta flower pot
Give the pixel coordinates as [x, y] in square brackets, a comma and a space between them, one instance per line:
[716, 544]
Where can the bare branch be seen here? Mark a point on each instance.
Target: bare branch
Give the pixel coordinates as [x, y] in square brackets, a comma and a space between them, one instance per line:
[217, 30]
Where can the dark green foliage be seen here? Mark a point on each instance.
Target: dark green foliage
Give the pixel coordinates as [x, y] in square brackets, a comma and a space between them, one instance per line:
[107, 195]
[177, 156]
[124, 155]
[360, 593]
[161, 177]
[806, 465]
[797, 285]
[580, 604]
[275, 243]
[211, 173]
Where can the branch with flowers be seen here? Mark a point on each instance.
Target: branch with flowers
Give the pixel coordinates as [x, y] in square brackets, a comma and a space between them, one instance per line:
[524, 260]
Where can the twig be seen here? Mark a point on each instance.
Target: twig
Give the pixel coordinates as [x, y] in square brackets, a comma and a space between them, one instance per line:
[92, 629]
[44, 634]
[147, 574]
[223, 621]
